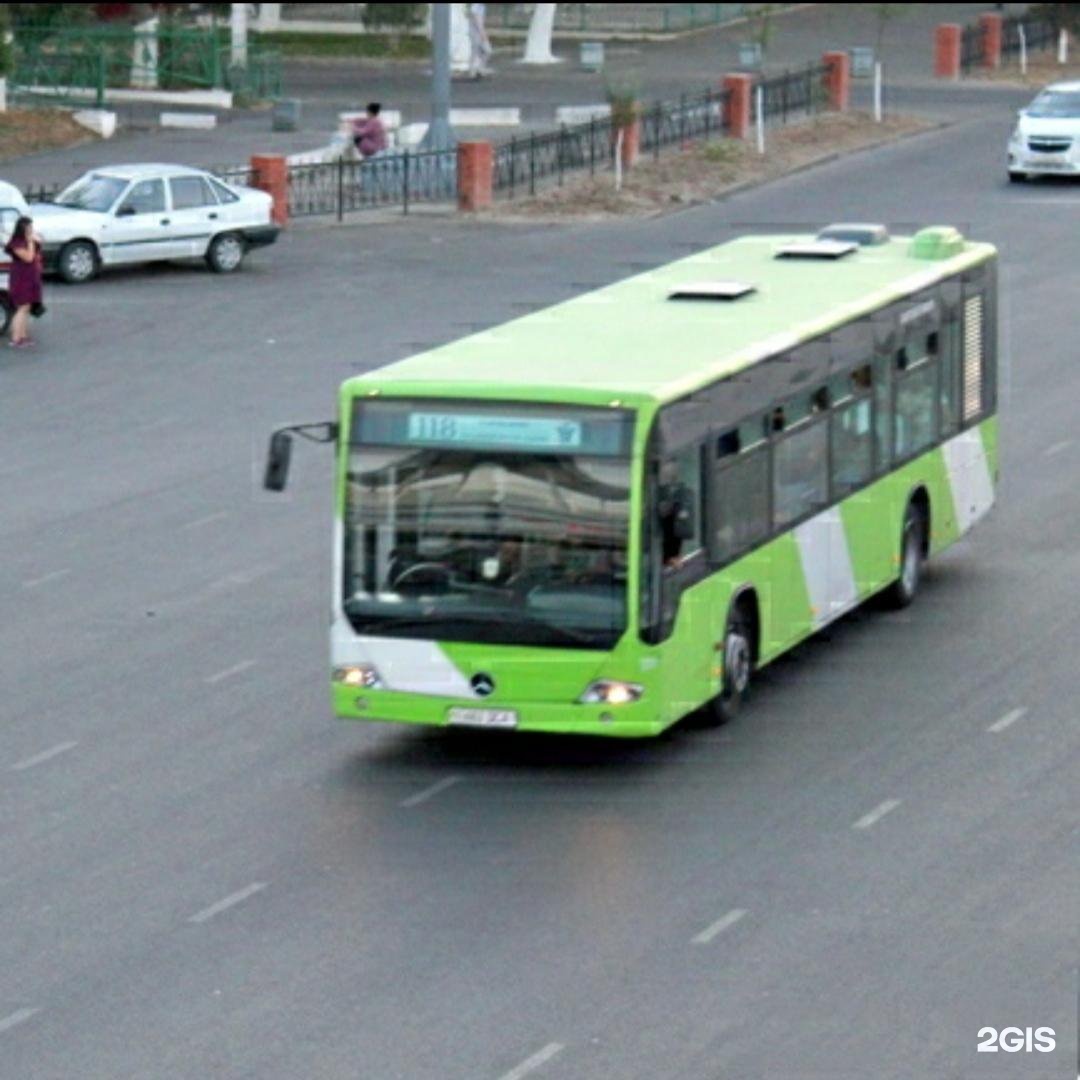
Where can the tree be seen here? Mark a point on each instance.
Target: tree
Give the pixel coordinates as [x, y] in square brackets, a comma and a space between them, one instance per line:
[885, 15]
[7, 59]
[538, 42]
[49, 16]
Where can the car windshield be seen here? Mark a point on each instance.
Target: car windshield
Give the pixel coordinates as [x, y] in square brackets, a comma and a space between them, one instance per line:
[455, 541]
[94, 192]
[1056, 104]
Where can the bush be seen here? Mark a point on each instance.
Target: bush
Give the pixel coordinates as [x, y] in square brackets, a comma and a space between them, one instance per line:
[396, 16]
[7, 58]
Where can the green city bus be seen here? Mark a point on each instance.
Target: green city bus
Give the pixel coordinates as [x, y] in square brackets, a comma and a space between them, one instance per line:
[607, 515]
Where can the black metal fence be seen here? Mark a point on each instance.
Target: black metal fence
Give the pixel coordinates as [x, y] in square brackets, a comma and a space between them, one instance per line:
[522, 164]
[795, 93]
[340, 186]
[971, 47]
[691, 118]
[1039, 34]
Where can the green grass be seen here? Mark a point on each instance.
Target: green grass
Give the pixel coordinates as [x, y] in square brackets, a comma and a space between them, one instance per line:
[347, 46]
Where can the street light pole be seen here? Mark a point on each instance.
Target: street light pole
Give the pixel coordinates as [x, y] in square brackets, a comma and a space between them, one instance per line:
[440, 135]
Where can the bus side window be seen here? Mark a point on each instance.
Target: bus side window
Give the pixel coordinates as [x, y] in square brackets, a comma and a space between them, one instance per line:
[949, 385]
[800, 471]
[679, 506]
[882, 414]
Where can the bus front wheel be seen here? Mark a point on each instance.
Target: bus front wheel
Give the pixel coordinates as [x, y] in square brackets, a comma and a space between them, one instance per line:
[912, 547]
[738, 665]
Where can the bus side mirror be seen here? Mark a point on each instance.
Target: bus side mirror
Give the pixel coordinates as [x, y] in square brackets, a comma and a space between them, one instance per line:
[277, 461]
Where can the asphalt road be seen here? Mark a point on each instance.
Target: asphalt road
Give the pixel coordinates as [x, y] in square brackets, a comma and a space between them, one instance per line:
[202, 875]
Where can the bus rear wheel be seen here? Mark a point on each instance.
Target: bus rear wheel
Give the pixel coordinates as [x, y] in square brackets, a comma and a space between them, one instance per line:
[912, 545]
[738, 661]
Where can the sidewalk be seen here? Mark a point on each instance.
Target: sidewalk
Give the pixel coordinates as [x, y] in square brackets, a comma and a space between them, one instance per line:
[659, 69]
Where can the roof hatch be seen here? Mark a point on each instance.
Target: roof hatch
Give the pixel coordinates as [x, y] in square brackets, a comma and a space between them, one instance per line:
[712, 290]
[862, 233]
[817, 249]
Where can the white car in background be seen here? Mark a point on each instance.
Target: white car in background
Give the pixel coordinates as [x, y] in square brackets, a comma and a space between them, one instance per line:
[123, 214]
[1046, 140]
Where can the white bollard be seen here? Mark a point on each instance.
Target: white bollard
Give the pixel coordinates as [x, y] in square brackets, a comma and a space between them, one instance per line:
[1023, 49]
[1063, 46]
[618, 159]
[877, 92]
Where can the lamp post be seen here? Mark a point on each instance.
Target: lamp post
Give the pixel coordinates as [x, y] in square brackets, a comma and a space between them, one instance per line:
[440, 135]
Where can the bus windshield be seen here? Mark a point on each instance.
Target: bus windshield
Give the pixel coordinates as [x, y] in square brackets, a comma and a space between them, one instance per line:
[466, 543]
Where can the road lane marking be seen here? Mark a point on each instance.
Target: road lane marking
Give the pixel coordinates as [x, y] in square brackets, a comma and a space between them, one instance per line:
[1007, 720]
[431, 792]
[541, 1057]
[1058, 447]
[876, 814]
[199, 522]
[45, 755]
[230, 901]
[16, 1018]
[33, 583]
[228, 673]
[718, 927]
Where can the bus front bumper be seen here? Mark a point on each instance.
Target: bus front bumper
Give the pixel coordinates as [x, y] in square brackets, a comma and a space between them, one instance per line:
[635, 720]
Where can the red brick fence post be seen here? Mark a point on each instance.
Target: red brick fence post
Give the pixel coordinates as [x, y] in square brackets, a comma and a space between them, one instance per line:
[947, 50]
[739, 90]
[270, 173]
[475, 175]
[837, 79]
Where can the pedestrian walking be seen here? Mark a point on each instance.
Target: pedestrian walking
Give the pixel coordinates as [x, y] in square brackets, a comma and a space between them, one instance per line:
[479, 44]
[24, 280]
[369, 134]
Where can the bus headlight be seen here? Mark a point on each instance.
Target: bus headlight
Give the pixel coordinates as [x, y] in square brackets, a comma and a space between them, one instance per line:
[358, 675]
[611, 692]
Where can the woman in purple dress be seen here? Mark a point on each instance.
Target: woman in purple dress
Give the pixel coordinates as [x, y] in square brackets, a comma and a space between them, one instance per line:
[24, 279]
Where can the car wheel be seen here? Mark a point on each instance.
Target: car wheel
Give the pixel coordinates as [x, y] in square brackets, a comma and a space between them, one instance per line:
[78, 262]
[738, 661]
[6, 311]
[225, 253]
[1017, 177]
[912, 543]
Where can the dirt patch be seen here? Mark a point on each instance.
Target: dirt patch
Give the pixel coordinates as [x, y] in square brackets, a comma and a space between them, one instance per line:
[28, 131]
[700, 172]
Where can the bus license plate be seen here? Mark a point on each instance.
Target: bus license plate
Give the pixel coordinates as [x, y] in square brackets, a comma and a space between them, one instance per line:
[482, 718]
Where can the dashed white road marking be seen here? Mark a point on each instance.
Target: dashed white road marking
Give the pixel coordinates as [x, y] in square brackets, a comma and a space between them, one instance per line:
[431, 792]
[56, 575]
[529, 1065]
[228, 673]
[876, 814]
[718, 927]
[16, 1018]
[1058, 447]
[230, 901]
[206, 520]
[1007, 720]
[45, 755]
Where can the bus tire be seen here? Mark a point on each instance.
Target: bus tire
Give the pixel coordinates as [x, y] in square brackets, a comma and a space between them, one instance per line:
[912, 548]
[738, 658]
[78, 262]
[225, 253]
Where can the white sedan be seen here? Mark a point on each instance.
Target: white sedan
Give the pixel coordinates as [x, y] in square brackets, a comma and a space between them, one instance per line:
[1046, 139]
[124, 214]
